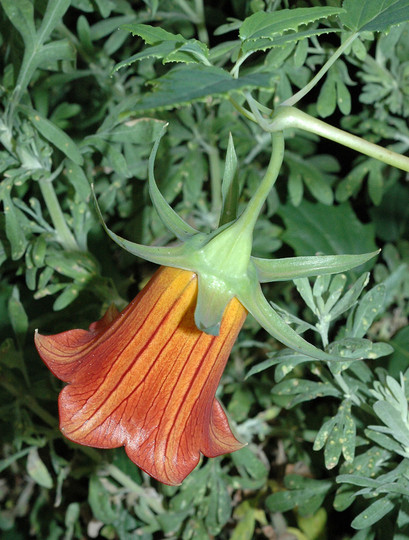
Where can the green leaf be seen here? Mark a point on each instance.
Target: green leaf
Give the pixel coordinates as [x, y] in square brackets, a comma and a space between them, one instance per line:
[18, 316]
[37, 470]
[249, 465]
[300, 390]
[262, 44]
[141, 131]
[78, 180]
[69, 294]
[313, 176]
[373, 513]
[312, 228]
[359, 348]
[99, 501]
[265, 25]
[156, 51]
[14, 230]
[368, 309]
[285, 361]
[374, 16]
[55, 135]
[306, 494]
[185, 84]
[219, 503]
[152, 34]
[191, 51]
[21, 14]
[52, 17]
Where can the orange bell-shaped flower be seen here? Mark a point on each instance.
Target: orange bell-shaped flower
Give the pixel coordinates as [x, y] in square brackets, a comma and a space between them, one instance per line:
[146, 379]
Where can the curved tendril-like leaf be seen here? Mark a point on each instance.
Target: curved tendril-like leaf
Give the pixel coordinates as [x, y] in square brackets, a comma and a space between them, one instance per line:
[297, 267]
[169, 217]
[212, 299]
[167, 256]
[267, 317]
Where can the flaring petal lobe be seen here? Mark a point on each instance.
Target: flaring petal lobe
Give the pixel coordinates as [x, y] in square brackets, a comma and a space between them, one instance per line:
[146, 378]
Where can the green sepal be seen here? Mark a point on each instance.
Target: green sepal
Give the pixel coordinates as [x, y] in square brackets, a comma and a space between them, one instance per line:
[167, 256]
[212, 299]
[255, 302]
[297, 267]
[169, 217]
[230, 186]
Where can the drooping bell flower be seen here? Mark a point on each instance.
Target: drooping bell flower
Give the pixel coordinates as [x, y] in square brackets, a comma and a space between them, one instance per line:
[146, 378]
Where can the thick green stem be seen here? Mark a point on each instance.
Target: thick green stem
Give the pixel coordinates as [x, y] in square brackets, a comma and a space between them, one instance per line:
[290, 117]
[249, 217]
[334, 57]
[64, 235]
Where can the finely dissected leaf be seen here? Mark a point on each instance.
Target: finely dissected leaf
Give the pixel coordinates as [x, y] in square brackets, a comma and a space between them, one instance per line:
[185, 84]
[314, 178]
[338, 435]
[301, 390]
[55, 135]
[350, 297]
[264, 25]
[306, 494]
[373, 513]
[394, 422]
[315, 228]
[285, 361]
[370, 15]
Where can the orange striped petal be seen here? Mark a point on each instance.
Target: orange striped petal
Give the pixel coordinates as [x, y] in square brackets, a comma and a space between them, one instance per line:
[146, 378]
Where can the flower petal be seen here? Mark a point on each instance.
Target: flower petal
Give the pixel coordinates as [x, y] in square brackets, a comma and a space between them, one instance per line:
[148, 379]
